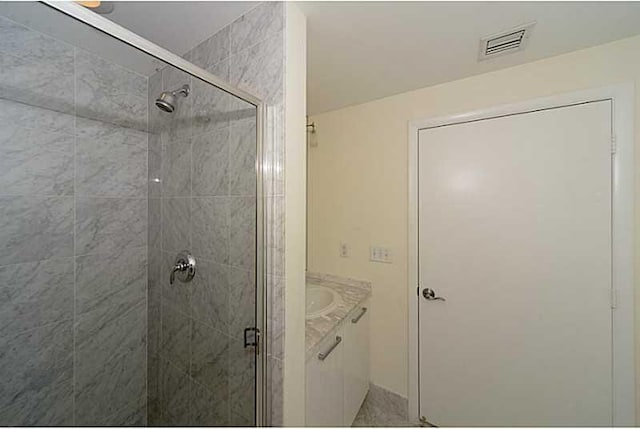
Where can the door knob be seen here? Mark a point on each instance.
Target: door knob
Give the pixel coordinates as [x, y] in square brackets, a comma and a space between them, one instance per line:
[185, 267]
[430, 295]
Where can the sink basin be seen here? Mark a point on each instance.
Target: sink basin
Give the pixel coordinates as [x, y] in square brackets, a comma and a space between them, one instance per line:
[320, 300]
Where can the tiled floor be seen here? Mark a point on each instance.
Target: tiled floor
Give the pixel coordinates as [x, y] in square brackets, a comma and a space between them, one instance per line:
[382, 408]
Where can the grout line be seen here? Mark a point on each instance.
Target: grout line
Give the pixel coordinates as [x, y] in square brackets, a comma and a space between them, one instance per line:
[75, 142]
[10, 144]
[115, 251]
[161, 358]
[111, 62]
[43, 129]
[39, 261]
[134, 307]
[35, 328]
[190, 285]
[36, 196]
[97, 197]
[268, 37]
[47, 36]
[146, 333]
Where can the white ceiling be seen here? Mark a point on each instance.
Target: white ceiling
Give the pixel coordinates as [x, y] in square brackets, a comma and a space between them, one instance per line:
[361, 51]
[177, 26]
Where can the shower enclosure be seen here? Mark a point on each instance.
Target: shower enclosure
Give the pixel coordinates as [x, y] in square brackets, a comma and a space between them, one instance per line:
[131, 230]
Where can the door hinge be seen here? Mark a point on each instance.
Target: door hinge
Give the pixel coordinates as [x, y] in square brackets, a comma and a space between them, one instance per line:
[614, 145]
[614, 298]
[418, 291]
[252, 338]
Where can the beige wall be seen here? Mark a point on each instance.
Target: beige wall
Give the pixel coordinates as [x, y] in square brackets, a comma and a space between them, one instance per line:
[358, 177]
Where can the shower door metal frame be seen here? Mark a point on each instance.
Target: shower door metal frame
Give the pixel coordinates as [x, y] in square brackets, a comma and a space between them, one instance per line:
[116, 31]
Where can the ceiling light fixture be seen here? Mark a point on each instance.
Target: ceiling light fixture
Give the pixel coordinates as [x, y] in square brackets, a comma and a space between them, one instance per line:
[101, 7]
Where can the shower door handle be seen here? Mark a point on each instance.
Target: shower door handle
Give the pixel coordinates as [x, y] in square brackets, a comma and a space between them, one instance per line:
[252, 340]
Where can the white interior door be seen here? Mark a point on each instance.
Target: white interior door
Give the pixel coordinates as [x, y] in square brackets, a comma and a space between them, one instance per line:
[515, 233]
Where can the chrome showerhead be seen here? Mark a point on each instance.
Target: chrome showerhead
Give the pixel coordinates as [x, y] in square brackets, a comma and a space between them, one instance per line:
[168, 100]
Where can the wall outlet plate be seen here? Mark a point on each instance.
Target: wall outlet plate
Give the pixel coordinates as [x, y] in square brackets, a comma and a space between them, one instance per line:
[344, 250]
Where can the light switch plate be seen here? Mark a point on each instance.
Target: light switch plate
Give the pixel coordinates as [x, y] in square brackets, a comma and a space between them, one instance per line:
[380, 254]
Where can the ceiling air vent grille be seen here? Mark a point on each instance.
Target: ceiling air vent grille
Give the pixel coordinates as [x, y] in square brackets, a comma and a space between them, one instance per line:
[513, 40]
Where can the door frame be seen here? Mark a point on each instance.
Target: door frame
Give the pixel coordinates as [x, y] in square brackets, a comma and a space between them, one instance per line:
[622, 99]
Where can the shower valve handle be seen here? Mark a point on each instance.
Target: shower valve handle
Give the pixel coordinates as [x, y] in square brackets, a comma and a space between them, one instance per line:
[180, 266]
[185, 266]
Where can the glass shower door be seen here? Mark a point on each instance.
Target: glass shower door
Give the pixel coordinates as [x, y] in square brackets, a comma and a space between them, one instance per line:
[113, 163]
[205, 153]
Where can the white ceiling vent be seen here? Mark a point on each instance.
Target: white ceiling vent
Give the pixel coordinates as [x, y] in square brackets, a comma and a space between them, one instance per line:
[506, 42]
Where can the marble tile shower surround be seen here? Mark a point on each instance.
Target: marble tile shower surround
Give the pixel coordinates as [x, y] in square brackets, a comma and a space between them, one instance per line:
[73, 205]
[203, 156]
[63, 202]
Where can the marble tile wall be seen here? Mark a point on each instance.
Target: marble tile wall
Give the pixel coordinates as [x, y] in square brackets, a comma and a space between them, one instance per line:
[202, 198]
[202, 158]
[73, 235]
[84, 189]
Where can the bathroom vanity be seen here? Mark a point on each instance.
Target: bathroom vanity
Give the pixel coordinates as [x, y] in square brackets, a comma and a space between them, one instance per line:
[337, 349]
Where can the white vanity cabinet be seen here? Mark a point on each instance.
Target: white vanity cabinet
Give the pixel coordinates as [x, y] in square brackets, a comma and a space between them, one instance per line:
[355, 362]
[325, 383]
[337, 385]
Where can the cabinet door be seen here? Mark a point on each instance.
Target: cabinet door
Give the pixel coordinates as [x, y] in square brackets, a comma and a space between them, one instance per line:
[325, 388]
[356, 362]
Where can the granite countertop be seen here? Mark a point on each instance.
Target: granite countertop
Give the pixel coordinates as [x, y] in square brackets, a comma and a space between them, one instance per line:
[353, 293]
